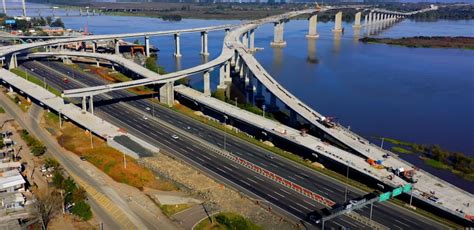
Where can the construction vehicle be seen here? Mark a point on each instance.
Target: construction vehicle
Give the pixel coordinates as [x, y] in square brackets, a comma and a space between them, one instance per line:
[376, 164]
[328, 121]
[408, 175]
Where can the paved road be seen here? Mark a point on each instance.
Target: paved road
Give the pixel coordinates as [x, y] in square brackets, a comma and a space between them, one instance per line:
[157, 133]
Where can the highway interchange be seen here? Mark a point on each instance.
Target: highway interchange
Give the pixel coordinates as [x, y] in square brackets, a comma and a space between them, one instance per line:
[130, 114]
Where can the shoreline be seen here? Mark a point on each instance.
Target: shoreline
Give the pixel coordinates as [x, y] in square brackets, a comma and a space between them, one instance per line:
[446, 42]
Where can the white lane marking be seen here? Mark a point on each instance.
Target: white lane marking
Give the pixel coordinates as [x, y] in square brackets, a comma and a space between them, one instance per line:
[285, 191]
[304, 175]
[309, 203]
[400, 222]
[233, 166]
[296, 209]
[299, 176]
[252, 180]
[304, 207]
[240, 154]
[272, 196]
[228, 168]
[206, 157]
[278, 194]
[292, 178]
[258, 178]
[397, 226]
[188, 148]
[198, 158]
[245, 182]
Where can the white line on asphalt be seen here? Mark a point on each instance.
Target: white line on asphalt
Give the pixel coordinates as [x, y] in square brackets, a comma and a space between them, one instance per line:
[245, 182]
[304, 207]
[252, 180]
[278, 194]
[272, 197]
[285, 191]
[206, 157]
[292, 178]
[309, 203]
[400, 222]
[296, 209]
[299, 176]
[188, 148]
[258, 178]
[228, 168]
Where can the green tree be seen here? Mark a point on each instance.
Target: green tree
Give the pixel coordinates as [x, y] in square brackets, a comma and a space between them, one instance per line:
[58, 23]
[83, 210]
[58, 179]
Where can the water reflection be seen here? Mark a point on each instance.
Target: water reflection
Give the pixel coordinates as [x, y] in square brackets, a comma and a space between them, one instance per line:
[337, 41]
[356, 35]
[312, 51]
[178, 63]
[277, 56]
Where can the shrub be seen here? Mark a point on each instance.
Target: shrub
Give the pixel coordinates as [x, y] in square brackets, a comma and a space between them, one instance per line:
[83, 210]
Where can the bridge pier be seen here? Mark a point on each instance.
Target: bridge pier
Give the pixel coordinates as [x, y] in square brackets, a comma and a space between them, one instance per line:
[117, 46]
[245, 39]
[222, 74]
[370, 18]
[357, 20]
[147, 46]
[207, 83]
[167, 94]
[313, 27]
[272, 107]
[91, 104]
[252, 40]
[84, 104]
[365, 20]
[249, 88]
[177, 52]
[13, 62]
[259, 98]
[278, 40]
[293, 117]
[227, 72]
[204, 41]
[338, 23]
[94, 47]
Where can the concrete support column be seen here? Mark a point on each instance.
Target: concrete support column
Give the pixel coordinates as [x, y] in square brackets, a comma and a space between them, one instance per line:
[237, 63]
[227, 30]
[177, 52]
[249, 87]
[222, 84]
[94, 47]
[84, 104]
[227, 72]
[293, 117]
[273, 107]
[204, 49]
[259, 98]
[338, 22]
[365, 20]
[370, 18]
[207, 83]
[242, 70]
[245, 39]
[357, 20]
[252, 40]
[167, 94]
[278, 40]
[83, 46]
[91, 104]
[10, 89]
[147, 46]
[117, 46]
[313, 27]
[13, 62]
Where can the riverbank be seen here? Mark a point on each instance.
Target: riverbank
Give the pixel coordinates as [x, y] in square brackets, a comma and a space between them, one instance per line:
[425, 42]
[437, 157]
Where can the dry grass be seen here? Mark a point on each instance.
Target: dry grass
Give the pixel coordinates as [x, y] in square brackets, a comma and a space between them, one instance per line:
[107, 159]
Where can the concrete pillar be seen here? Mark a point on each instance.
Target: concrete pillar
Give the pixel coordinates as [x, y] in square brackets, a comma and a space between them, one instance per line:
[84, 104]
[207, 83]
[252, 40]
[237, 63]
[278, 40]
[245, 39]
[242, 69]
[259, 97]
[13, 62]
[83, 46]
[10, 89]
[147, 46]
[249, 87]
[204, 49]
[227, 31]
[313, 27]
[91, 104]
[338, 22]
[177, 52]
[94, 47]
[357, 20]
[370, 18]
[167, 94]
[117, 46]
[293, 117]
[222, 84]
[365, 20]
[227, 72]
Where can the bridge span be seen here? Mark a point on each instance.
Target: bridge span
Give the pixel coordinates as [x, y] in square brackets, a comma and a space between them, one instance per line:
[237, 52]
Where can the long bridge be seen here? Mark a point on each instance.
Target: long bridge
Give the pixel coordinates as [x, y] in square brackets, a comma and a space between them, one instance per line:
[237, 53]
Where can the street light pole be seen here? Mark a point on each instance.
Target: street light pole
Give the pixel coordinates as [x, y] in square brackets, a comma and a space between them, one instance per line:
[263, 109]
[153, 103]
[381, 144]
[225, 130]
[347, 181]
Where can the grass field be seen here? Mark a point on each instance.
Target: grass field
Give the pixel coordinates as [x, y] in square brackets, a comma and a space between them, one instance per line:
[399, 149]
[107, 159]
[227, 220]
[170, 210]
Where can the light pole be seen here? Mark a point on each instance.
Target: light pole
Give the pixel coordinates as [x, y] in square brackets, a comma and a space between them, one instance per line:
[225, 130]
[235, 101]
[347, 181]
[381, 144]
[263, 110]
[153, 103]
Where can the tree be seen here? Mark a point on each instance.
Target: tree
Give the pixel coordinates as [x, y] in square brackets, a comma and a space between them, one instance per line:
[58, 179]
[58, 23]
[49, 19]
[83, 210]
[79, 195]
[47, 205]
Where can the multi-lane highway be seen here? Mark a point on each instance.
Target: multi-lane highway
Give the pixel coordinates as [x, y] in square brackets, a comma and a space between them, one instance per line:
[131, 114]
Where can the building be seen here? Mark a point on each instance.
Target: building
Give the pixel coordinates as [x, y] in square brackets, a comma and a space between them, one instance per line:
[11, 181]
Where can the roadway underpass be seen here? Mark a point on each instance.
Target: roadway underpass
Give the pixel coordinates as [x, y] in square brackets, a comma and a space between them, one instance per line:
[130, 115]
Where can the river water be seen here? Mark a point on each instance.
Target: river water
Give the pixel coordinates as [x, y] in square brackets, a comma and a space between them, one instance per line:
[412, 94]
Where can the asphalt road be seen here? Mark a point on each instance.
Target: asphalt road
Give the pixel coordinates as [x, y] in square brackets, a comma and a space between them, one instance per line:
[130, 114]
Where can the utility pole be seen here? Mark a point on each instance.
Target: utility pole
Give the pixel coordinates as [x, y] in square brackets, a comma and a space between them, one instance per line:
[381, 144]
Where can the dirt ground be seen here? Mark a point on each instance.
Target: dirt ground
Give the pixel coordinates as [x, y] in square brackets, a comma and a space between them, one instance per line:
[217, 196]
